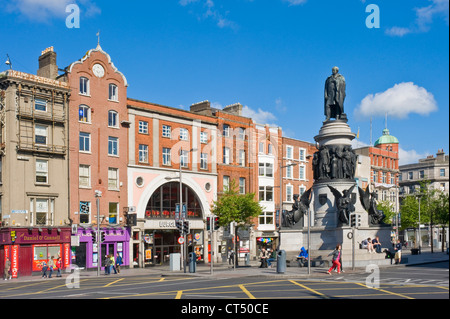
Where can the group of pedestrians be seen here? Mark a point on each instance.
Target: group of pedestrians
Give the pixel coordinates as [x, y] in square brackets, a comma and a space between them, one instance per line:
[111, 264]
[51, 266]
[372, 245]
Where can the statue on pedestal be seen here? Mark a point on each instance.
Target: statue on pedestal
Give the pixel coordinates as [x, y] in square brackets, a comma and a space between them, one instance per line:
[299, 209]
[334, 95]
[369, 202]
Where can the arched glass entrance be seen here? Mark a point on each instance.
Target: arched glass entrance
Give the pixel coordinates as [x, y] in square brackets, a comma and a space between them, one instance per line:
[162, 203]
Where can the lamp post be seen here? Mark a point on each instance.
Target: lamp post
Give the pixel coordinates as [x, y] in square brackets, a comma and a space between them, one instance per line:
[98, 194]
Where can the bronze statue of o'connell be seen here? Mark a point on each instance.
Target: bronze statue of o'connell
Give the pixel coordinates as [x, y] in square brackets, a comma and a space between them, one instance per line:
[334, 95]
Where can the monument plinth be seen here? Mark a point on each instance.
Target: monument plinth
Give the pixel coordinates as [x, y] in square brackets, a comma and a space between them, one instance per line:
[335, 195]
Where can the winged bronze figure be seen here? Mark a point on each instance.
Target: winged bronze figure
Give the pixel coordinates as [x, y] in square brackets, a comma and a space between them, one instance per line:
[343, 202]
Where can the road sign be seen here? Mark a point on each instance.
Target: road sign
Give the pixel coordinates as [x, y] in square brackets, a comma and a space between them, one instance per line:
[181, 240]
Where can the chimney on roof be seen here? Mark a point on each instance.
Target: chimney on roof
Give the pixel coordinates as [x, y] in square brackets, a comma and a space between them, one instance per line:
[440, 155]
[235, 109]
[47, 64]
[203, 107]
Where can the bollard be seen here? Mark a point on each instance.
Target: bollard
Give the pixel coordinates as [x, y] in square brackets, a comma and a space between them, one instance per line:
[247, 259]
[281, 261]
[192, 262]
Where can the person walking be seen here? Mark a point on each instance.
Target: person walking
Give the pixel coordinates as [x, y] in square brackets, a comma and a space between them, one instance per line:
[58, 267]
[50, 265]
[113, 263]
[107, 265]
[336, 259]
[119, 262]
[44, 269]
[7, 270]
[398, 252]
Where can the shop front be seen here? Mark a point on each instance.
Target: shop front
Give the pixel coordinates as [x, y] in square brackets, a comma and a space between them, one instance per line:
[28, 248]
[86, 253]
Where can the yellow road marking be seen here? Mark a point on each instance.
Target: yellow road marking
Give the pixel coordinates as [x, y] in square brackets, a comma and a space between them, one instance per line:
[111, 283]
[247, 292]
[309, 289]
[386, 291]
[179, 293]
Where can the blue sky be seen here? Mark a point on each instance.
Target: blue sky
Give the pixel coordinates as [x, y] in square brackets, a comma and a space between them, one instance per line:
[272, 56]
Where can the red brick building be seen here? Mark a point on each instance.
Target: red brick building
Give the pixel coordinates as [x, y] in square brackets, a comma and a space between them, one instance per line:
[98, 155]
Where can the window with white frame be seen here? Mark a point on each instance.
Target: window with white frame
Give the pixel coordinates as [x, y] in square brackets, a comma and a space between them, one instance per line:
[113, 178]
[266, 218]
[85, 212]
[41, 171]
[113, 119]
[266, 169]
[270, 149]
[241, 185]
[143, 153]
[166, 156]
[226, 155]
[84, 85]
[302, 174]
[42, 211]
[40, 105]
[302, 154]
[289, 171]
[143, 127]
[166, 131]
[241, 134]
[226, 130]
[241, 157]
[113, 92]
[261, 147]
[184, 134]
[266, 193]
[204, 137]
[84, 114]
[289, 152]
[289, 193]
[85, 142]
[113, 146]
[226, 182]
[84, 176]
[203, 160]
[184, 159]
[40, 134]
[113, 213]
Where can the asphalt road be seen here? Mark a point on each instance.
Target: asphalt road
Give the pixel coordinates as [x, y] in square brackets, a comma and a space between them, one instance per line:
[416, 282]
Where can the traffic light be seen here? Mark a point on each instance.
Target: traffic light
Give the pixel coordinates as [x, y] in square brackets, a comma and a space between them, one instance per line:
[208, 223]
[94, 236]
[353, 220]
[358, 220]
[179, 224]
[131, 219]
[216, 223]
[186, 226]
[102, 236]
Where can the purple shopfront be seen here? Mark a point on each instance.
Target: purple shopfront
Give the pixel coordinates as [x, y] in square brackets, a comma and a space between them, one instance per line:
[86, 254]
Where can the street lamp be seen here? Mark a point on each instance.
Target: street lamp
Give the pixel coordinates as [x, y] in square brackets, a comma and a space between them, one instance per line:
[98, 194]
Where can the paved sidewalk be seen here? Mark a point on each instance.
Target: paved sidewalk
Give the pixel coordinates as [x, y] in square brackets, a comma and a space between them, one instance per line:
[224, 270]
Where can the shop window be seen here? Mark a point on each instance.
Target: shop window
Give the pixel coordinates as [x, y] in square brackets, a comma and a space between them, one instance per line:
[163, 202]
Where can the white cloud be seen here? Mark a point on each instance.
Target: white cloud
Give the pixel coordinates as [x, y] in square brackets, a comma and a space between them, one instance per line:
[295, 2]
[398, 101]
[260, 116]
[409, 157]
[424, 18]
[42, 10]
[212, 13]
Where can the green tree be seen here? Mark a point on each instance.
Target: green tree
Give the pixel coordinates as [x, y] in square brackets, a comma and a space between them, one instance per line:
[234, 207]
[388, 209]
